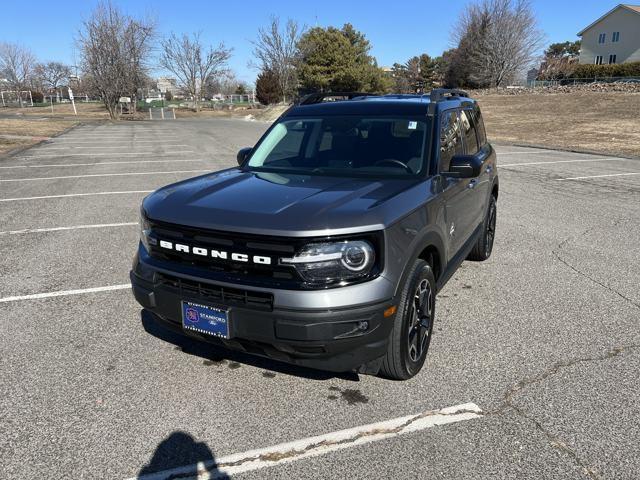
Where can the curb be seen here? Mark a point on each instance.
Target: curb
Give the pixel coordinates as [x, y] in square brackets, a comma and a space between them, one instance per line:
[569, 150]
[17, 150]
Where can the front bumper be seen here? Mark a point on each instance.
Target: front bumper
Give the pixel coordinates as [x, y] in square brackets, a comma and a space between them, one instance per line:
[335, 339]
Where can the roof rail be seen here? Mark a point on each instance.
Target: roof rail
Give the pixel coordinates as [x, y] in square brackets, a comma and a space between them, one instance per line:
[439, 94]
[320, 96]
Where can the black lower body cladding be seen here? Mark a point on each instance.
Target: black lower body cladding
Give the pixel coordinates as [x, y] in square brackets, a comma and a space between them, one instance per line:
[335, 340]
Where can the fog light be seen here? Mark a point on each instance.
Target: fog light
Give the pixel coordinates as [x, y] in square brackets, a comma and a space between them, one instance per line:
[364, 325]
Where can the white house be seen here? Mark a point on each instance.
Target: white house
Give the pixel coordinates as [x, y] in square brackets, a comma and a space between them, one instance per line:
[613, 38]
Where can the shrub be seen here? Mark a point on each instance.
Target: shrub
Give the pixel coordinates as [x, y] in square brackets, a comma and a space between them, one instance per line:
[631, 69]
[38, 97]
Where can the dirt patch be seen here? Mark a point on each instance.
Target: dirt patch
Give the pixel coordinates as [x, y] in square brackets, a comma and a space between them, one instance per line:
[16, 133]
[270, 113]
[601, 122]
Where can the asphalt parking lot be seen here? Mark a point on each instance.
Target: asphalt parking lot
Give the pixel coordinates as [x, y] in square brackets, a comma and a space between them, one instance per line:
[541, 344]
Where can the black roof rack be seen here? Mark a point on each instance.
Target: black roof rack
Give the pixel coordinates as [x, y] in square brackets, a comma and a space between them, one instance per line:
[319, 97]
[439, 94]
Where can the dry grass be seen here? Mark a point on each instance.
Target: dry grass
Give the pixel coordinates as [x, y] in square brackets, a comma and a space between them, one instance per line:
[89, 111]
[599, 121]
[16, 133]
[596, 121]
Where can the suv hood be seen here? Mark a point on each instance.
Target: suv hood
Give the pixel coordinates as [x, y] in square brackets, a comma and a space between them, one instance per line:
[288, 205]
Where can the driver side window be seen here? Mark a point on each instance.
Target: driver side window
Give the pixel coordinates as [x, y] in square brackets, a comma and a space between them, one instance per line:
[450, 139]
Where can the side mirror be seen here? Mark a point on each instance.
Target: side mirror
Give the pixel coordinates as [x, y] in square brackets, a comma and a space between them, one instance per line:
[465, 166]
[243, 153]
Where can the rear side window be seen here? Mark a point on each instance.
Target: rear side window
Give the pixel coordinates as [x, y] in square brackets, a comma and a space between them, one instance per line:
[450, 139]
[469, 132]
[482, 134]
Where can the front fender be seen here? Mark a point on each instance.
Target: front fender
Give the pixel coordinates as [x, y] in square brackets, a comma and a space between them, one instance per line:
[406, 241]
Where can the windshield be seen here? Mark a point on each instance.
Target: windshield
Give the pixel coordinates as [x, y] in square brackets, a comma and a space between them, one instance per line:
[343, 145]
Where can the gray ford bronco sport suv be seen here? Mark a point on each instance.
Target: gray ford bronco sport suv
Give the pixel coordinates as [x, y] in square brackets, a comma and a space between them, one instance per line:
[327, 245]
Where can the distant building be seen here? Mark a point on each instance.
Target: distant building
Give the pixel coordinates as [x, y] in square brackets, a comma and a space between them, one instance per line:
[613, 38]
[168, 84]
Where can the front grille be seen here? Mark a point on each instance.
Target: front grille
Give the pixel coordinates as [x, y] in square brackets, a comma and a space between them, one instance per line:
[250, 273]
[215, 293]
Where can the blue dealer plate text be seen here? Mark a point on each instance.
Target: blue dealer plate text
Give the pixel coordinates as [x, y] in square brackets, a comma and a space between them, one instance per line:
[205, 319]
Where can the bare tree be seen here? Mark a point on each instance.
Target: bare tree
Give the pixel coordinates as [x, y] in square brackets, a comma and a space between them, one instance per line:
[138, 38]
[17, 64]
[276, 50]
[499, 39]
[115, 49]
[225, 84]
[52, 75]
[193, 64]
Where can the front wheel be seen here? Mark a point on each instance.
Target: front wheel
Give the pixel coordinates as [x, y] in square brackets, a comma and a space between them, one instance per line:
[484, 246]
[413, 325]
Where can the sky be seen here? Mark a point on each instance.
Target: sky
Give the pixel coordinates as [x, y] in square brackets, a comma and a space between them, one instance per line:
[396, 31]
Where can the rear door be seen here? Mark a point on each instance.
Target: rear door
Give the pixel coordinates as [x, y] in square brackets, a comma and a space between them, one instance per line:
[475, 144]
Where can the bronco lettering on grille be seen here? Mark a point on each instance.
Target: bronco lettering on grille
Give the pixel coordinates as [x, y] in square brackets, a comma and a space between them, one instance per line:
[221, 254]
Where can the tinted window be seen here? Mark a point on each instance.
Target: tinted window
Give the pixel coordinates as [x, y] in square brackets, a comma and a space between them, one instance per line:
[450, 139]
[469, 132]
[479, 123]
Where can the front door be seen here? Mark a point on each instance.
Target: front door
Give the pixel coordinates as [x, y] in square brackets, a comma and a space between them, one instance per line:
[458, 193]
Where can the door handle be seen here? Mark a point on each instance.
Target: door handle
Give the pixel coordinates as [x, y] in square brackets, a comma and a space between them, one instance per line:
[489, 169]
[472, 183]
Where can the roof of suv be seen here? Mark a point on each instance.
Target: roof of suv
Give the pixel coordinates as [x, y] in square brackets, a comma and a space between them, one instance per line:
[364, 104]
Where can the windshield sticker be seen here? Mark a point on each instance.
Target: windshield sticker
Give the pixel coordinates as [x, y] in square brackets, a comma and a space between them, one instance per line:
[413, 125]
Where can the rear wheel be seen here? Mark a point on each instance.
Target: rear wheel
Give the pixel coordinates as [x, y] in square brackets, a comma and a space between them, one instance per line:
[484, 246]
[413, 325]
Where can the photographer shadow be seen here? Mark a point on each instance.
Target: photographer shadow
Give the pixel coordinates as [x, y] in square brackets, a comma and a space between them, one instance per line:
[182, 454]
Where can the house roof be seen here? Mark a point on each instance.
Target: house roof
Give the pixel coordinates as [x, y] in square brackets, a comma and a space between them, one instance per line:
[632, 8]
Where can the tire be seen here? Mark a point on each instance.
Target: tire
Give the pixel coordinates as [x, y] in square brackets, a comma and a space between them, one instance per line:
[484, 246]
[411, 335]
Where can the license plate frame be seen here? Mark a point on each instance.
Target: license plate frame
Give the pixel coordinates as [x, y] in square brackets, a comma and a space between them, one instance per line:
[208, 320]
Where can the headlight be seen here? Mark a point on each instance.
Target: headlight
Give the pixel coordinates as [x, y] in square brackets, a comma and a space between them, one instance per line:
[145, 230]
[333, 262]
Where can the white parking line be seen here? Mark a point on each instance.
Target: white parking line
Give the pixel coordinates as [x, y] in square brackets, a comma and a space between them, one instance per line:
[102, 163]
[57, 141]
[317, 446]
[112, 154]
[106, 147]
[601, 176]
[59, 229]
[112, 137]
[99, 175]
[565, 161]
[115, 139]
[46, 197]
[539, 152]
[64, 293]
[121, 133]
